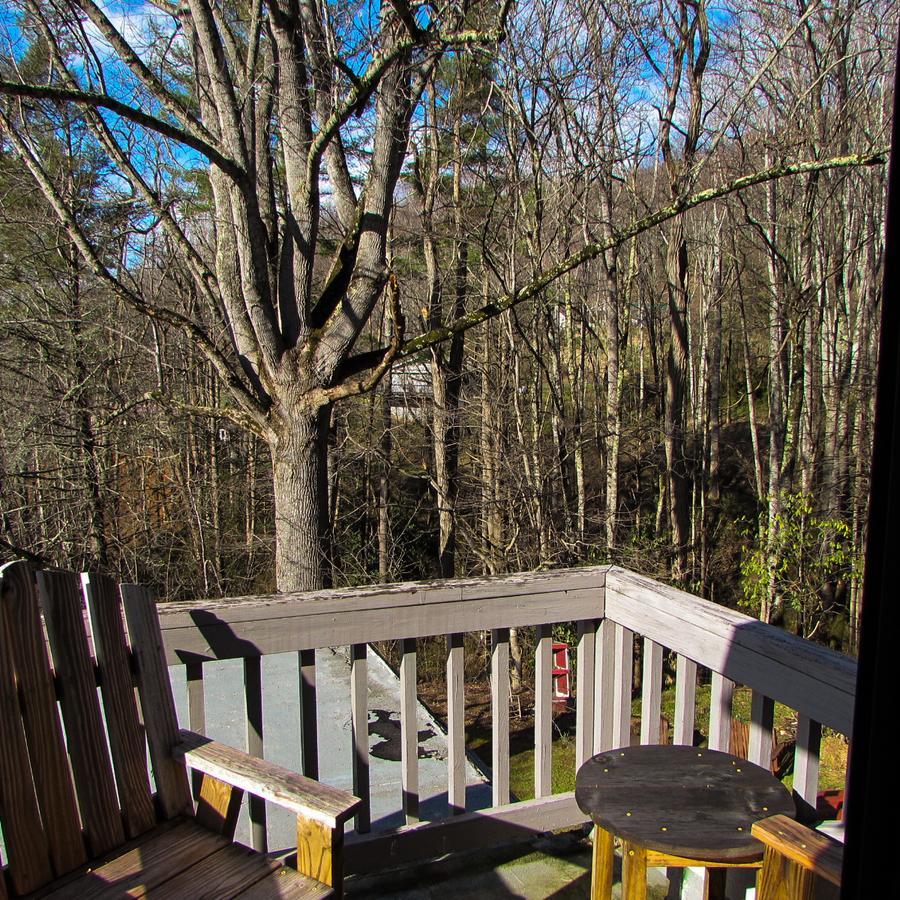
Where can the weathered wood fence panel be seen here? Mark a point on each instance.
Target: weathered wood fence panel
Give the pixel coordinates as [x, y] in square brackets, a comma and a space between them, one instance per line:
[798, 673]
[235, 628]
[610, 607]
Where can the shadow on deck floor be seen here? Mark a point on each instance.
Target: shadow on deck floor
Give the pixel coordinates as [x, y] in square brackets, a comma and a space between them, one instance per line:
[557, 867]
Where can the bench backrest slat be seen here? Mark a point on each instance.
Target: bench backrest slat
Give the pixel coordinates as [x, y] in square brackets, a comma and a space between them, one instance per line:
[80, 704]
[74, 786]
[50, 766]
[26, 843]
[126, 736]
[157, 702]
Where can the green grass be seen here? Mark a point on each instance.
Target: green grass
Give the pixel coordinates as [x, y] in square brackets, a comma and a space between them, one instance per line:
[521, 764]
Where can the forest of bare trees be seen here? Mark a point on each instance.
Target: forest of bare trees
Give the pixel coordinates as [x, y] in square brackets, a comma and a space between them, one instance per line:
[296, 293]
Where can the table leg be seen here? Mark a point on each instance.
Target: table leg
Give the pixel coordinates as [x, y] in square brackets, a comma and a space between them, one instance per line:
[602, 865]
[714, 884]
[634, 872]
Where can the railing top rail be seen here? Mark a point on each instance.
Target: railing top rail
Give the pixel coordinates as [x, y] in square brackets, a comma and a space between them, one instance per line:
[805, 676]
[272, 623]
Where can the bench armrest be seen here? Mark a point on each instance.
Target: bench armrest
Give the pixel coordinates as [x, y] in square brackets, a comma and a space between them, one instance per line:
[302, 796]
[810, 849]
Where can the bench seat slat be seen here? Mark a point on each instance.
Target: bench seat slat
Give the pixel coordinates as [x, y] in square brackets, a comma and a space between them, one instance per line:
[287, 884]
[156, 858]
[221, 876]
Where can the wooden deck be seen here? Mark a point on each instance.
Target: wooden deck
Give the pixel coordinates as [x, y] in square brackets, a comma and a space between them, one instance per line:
[618, 615]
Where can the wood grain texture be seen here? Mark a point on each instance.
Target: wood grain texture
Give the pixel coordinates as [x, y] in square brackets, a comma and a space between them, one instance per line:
[157, 703]
[543, 711]
[810, 849]
[585, 705]
[88, 752]
[670, 860]
[320, 853]
[287, 884]
[409, 733]
[500, 717]
[605, 674]
[309, 720]
[804, 676]
[685, 700]
[140, 870]
[253, 717]
[624, 653]
[359, 727]
[456, 724]
[126, 736]
[634, 872]
[783, 879]
[721, 696]
[221, 629]
[27, 849]
[651, 692]
[264, 779]
[682, 801]
[602, 861]
[218, 805]
[223, 875]
[46, 746]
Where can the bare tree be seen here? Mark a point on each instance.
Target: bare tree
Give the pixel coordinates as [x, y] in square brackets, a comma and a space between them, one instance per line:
[273, 90]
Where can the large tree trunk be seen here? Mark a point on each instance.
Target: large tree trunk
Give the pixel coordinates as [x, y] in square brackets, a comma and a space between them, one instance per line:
[676, 366]
[300, 469]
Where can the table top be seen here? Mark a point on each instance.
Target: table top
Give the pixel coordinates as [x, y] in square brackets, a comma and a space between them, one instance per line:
[683, 801]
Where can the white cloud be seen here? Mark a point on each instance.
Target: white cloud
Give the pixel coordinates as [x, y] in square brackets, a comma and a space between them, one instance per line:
[140, 23]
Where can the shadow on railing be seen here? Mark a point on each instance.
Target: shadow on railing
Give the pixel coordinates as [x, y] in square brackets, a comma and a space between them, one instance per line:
[620, 619]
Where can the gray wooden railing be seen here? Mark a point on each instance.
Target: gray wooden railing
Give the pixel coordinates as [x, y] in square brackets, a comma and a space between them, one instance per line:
[609, 607]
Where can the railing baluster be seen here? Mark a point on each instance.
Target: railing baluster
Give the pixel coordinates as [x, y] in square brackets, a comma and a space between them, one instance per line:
[409, 733]
[605, 679]
[624, 650]
[720, 699]
[196, 711]
[584, 699]
[543, 711]
[651, 692]
[359, 727]
[806, 763]
[500, 716]
[685, 700]
[253, 701]
[309, 726]
[456, 724]
[762, 720]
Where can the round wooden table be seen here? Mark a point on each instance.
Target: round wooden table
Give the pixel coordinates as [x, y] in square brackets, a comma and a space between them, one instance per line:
[675, 806]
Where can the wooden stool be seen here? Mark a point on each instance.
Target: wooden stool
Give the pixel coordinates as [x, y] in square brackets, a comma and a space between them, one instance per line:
[676, 807]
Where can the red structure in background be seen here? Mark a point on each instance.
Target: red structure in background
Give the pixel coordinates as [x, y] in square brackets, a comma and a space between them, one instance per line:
[562, 689]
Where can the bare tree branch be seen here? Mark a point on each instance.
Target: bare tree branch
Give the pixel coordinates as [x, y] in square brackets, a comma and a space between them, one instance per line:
[139, 117]
[195, 333]
[593, 250]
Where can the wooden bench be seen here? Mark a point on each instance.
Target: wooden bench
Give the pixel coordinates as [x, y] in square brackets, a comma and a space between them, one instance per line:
[78, 814]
